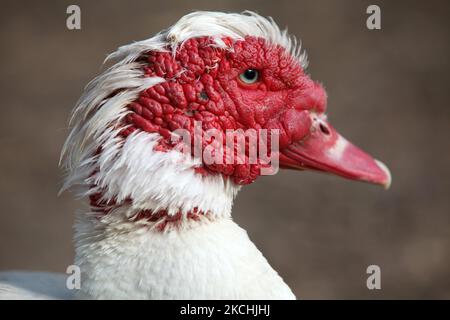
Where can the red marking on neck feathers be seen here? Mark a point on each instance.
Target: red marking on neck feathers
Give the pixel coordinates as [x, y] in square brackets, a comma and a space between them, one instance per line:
[163, 220]
[160, 218]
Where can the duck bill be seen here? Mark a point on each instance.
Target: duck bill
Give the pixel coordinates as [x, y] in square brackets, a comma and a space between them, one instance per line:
[324, 149]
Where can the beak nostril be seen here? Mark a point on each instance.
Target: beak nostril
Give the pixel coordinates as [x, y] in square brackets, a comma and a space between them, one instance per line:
[324, 129]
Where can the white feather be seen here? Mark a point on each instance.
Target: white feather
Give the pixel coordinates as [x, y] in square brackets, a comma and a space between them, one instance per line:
[15, 285]
[159, 180]
[205, 260]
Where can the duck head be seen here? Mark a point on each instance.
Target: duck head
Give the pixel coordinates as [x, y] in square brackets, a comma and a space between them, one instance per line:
[210, 72]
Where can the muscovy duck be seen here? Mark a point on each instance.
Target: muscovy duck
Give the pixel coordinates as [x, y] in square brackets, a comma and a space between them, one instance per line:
[159, 224]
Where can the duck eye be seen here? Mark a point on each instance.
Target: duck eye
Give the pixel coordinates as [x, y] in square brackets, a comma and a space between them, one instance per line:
[249, 76]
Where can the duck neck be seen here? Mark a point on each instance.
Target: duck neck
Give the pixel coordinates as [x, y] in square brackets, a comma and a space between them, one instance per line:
[146, 206]
[152, 254]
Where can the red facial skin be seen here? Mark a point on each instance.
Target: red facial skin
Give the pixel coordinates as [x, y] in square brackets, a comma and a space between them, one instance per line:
[202, 84]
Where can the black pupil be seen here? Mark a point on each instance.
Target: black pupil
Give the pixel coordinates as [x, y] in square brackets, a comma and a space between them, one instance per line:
[250, 74]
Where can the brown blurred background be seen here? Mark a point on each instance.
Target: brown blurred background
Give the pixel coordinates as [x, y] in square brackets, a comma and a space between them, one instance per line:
[388, 93]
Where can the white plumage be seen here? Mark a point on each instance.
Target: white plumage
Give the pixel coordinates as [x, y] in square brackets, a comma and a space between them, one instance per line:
[208, 259]
[16, 285]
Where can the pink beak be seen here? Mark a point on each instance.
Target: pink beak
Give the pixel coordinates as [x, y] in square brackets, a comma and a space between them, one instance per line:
[324, 149]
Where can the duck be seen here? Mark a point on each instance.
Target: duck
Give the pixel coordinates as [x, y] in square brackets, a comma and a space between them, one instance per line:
[150, 153]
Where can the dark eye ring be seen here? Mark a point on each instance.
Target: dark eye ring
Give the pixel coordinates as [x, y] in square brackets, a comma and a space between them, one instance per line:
[249, 76]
